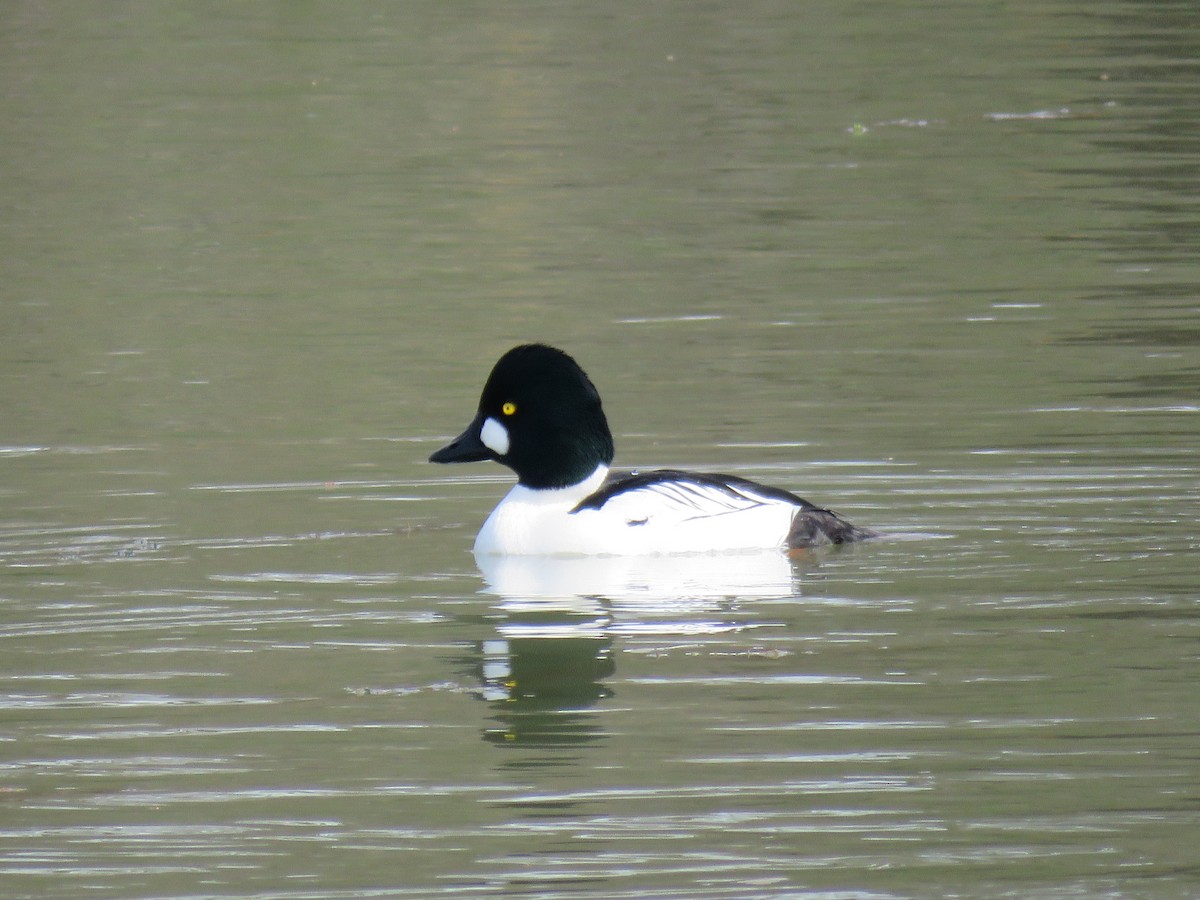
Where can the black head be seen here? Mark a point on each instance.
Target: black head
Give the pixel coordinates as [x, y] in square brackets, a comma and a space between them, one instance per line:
[540, 416]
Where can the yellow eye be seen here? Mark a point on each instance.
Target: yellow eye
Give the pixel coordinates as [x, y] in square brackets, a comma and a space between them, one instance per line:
[508, 408]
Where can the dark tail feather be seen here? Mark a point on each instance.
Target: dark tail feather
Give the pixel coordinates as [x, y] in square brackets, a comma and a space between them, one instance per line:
[818, 527]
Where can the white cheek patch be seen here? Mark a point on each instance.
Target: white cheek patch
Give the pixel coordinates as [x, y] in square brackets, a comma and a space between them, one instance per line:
[494, 436]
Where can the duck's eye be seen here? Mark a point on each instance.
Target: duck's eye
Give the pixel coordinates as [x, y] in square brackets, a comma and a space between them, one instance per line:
[508, 408]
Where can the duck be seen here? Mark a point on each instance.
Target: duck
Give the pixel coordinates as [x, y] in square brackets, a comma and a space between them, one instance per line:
[540, 415]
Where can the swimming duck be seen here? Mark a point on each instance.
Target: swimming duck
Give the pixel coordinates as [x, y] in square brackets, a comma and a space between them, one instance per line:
[540, 415]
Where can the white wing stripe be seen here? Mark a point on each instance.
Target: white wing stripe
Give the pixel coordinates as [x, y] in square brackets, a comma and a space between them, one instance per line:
[703, 498]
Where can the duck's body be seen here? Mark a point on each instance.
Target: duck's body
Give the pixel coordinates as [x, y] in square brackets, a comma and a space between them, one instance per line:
[541, 416]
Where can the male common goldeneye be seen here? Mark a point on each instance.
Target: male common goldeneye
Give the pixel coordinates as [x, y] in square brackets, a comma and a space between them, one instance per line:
[540, 415]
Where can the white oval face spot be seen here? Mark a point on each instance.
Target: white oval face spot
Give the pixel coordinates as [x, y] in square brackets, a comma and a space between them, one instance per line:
[494, 436]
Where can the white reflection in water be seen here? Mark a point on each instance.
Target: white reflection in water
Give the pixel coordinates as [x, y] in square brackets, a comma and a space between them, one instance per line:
[669, 579]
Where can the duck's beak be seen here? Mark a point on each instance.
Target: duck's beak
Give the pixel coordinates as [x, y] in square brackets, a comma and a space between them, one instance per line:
[467, 447]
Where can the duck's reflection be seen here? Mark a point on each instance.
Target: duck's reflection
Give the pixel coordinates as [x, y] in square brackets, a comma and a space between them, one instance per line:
[553, 651]
[541, 688]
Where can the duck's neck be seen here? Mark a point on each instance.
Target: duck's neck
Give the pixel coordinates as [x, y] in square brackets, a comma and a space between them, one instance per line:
[568, 496]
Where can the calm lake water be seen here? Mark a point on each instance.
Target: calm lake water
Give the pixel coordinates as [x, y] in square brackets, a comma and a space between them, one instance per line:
[934, 265]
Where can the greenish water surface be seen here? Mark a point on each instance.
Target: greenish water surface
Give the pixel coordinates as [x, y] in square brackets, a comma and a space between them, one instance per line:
[932, 265]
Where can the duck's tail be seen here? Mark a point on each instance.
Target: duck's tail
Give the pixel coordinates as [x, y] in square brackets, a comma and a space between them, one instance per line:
[816, 527]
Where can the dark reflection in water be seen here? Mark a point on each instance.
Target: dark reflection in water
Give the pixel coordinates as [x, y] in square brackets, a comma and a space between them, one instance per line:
[1145, 165]
[1184, 384]
[1180, 384]
[1166, 335]
[1146, 182]
[1152, 75]
[540, 687]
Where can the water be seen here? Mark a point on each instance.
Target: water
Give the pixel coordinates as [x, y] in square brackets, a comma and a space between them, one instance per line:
[934, 266]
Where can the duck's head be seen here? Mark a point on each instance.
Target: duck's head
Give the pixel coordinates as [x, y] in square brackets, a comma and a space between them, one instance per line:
[541, 416]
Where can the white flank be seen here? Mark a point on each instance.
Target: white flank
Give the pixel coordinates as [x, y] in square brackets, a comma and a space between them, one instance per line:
[662, 518]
